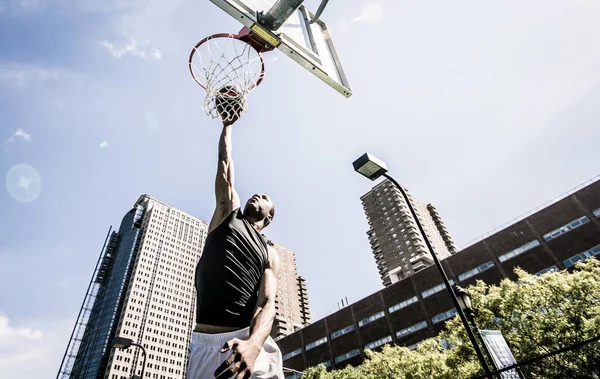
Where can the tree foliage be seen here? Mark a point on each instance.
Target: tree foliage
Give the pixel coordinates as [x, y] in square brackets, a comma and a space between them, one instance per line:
[536, 314]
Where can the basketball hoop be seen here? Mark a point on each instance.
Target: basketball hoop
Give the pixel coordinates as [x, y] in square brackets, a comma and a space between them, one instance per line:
[228, 67]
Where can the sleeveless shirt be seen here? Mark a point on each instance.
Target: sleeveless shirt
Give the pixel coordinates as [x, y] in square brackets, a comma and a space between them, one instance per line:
[229, 273]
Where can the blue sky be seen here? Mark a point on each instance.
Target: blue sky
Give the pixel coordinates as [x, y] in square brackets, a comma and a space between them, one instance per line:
[485, 110]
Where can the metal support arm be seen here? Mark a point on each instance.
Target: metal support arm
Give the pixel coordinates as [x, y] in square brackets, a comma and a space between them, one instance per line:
[319, 11]
[279, 13]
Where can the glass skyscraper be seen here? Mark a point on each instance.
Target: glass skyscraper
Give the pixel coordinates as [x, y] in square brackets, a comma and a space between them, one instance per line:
[142, 289]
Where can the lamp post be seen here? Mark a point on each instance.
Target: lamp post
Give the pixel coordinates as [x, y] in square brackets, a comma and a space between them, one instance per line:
[124, 344]
[373, 168]
[464, 300]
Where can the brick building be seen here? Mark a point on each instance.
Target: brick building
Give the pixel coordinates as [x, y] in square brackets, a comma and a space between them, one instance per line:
[554, 236]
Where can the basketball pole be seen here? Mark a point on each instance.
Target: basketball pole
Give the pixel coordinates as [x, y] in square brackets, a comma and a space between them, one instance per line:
[279, 12]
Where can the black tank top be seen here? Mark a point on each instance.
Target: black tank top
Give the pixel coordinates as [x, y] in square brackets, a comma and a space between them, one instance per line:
[229, 272]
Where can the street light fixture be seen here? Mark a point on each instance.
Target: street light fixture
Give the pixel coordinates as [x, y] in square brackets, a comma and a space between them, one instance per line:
[125, 343]
[369, 166]
[373, 168]
[464, 300]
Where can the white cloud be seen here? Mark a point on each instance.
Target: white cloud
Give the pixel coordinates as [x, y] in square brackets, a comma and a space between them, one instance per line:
[20, 346]
[104, 144]
[371, 13]
[18, 134]
[131, 47]
[23, 75]
[10, 336]
[22, 134]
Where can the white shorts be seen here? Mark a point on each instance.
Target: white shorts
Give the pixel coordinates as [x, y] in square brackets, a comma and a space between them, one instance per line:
[205, 357]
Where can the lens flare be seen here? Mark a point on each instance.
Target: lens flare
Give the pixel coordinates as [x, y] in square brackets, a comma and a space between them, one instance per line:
[23, 183]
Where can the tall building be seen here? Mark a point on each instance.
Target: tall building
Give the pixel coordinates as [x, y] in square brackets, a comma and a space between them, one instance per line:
[291, 304]
[397, 244]
[142, 289]
[554, 236]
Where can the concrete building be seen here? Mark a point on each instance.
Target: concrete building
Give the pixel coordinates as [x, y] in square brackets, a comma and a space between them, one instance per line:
[143, 289]
[554, 236]
[397, 244]
[291, 304]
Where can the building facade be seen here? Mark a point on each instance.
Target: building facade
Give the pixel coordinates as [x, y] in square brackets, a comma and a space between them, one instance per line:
[396, 242]
[291, 304]
[143, 289]
[555, 237]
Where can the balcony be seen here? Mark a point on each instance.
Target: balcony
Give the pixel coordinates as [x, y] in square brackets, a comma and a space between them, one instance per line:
[419, 266]
[421, 257]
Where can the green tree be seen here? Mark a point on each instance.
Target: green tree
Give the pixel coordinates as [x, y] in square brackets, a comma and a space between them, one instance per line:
[536, 314]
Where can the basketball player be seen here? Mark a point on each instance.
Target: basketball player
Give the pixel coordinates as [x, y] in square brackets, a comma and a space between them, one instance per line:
[236, 280]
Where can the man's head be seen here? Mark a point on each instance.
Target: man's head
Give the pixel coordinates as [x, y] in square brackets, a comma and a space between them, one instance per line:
[260, 208]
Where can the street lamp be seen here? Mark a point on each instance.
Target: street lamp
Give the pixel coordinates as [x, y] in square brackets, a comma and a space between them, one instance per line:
[373, 168]
[464, 300]
[124, 344]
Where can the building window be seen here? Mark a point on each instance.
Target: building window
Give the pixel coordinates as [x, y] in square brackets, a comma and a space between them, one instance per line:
[435, 289]
[294, 376]
[596, 212]
[414, 346]
[443, 316]
[566, 228]
[475, 271]
[327, 363]
[379, 342]
[370, 319]
[549, 269]
[519, 250]
[581, 256]
[316, 343]
[403, 304]
[292, 354]
[411, 329]
[343, 331]
[348, 355]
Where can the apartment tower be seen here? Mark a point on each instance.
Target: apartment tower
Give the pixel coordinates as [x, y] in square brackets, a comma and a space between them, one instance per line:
[397, 244]
[291, 303]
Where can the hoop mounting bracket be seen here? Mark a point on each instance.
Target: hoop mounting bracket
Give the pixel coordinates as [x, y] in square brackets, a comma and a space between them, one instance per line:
[258, 38]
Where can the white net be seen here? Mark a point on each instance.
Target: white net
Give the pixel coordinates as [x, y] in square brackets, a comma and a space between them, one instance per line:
[228, 69]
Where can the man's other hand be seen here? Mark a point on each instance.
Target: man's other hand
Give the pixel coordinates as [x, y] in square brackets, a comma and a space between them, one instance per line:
[241, 361]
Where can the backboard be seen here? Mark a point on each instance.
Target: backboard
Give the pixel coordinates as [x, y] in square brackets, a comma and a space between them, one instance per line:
[309, 44]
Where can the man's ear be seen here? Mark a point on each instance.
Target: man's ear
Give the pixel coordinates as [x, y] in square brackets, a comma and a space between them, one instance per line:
[267, 221]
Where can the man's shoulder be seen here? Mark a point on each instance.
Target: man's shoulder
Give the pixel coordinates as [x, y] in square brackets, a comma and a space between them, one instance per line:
[273, 256]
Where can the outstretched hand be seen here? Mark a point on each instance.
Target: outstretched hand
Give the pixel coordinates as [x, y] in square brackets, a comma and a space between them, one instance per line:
[230, 104]
[241, 361]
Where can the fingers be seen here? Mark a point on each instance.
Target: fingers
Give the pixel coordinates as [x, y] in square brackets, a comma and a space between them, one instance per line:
[230, 371]
[229, 345]
[234, 357]
[245, 373]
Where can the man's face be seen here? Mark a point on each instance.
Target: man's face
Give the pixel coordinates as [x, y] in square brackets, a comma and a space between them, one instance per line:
[259, 206]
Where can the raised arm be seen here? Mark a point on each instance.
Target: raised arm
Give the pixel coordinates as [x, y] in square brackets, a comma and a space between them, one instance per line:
[244, 354]
[226, 196]
[262, 321]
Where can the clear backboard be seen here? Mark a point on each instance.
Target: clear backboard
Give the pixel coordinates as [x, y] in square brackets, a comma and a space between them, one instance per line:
[308, 43]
